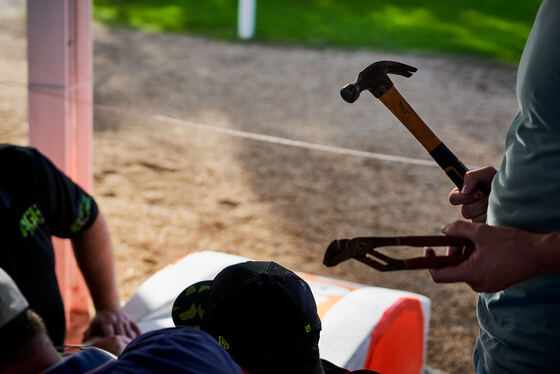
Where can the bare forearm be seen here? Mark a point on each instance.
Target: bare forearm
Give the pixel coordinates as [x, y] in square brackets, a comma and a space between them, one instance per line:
[548, 253]
[94, 253]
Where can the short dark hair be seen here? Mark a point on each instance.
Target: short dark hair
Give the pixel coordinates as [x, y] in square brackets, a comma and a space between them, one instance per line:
[18, 336]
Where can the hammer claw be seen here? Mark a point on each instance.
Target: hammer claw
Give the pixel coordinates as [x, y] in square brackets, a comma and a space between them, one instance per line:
[394, 67]
[374, 78]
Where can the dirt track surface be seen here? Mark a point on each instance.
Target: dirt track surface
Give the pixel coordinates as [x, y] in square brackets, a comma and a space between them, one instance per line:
[171, 189]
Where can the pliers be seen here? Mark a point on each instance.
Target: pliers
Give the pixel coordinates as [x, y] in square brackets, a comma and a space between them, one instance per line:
[364, 250]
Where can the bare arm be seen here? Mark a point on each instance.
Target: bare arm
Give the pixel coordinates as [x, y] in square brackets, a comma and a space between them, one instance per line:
[94, 254]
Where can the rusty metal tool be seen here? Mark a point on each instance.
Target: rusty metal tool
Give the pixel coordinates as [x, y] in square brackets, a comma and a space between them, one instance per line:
[364, 250]
[374, 78]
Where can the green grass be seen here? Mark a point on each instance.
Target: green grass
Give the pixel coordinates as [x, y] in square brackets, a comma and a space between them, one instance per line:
[492, 28]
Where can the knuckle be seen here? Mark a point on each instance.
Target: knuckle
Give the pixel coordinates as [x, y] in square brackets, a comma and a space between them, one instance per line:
[458, 224]
[454, 197]
[478, 228]
[489, 169]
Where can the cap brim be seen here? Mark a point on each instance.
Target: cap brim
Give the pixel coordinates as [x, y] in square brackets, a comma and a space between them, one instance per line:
[190, 306]
[12, 302]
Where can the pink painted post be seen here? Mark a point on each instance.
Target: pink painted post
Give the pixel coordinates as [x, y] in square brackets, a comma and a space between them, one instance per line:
[60, 110]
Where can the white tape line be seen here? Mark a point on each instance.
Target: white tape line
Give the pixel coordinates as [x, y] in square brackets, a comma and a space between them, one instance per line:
[296, 143]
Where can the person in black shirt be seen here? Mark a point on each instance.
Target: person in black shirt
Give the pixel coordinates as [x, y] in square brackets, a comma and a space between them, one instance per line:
[38, 201]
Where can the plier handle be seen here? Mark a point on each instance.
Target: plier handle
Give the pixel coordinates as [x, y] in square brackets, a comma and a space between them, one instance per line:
[364, 250]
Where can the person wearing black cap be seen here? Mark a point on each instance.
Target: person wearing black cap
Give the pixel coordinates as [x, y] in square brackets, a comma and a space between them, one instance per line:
[263, 314]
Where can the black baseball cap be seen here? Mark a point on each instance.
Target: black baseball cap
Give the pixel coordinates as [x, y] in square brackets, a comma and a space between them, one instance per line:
[263, 314]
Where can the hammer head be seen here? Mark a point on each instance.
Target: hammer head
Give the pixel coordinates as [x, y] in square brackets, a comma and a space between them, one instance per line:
[374, 79]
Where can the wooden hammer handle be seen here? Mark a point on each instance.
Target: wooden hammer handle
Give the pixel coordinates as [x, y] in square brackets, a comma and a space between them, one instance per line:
[450, 164]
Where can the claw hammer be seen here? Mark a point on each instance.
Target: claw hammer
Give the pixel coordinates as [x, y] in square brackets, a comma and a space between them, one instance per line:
[374, 78]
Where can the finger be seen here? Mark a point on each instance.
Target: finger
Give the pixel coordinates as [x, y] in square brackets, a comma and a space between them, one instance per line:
[454, 191]
[459, 198]
[429, 252]
[468, 251]
[451, 274]
[469, 183]
[445, 275]
[474, 180]
[453, 251]
[479, 219]
[119, 329]
[135, 328]
[125, 340]
[478, 208]
[107, 330]
[478, 178]
[129, 332]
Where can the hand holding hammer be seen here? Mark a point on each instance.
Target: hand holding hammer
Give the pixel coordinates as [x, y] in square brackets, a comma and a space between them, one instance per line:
[374, 79]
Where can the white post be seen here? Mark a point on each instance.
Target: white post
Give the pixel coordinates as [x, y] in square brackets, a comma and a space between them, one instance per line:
[246, 19]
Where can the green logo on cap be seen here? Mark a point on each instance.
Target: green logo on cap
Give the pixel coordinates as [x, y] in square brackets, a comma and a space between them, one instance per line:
[223, 342]
[190, 289]
[203, 288]
[192, 312]
[307, 328]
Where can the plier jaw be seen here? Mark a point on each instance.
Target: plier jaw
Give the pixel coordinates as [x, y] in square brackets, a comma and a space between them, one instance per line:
[364, 250]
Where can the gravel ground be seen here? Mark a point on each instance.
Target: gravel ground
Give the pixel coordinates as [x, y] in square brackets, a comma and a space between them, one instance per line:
[168, 189]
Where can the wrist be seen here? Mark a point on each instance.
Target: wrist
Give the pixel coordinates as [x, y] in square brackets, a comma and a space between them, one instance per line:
[108, 306]
[547, 250]
[106, 297]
